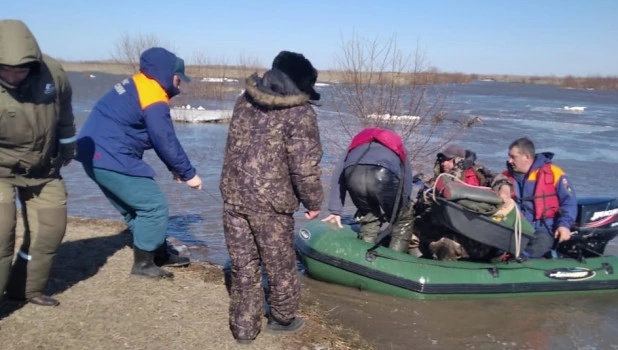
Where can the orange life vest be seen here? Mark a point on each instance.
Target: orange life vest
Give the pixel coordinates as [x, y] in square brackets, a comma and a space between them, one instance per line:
[545, 198]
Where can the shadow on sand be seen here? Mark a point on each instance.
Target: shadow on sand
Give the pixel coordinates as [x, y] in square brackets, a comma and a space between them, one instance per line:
[76, 261]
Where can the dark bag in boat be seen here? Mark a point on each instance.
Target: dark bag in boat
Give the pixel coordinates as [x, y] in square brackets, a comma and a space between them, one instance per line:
[480, 228]
[479, 200]
[467, 209]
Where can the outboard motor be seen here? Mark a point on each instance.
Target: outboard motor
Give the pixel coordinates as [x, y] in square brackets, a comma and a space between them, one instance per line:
[595, 226]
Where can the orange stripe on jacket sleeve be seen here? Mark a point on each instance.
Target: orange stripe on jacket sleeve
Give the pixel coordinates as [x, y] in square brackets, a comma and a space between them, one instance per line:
[149, 91]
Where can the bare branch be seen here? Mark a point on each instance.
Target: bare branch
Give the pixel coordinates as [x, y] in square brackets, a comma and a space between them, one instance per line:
[386, 87]
[129, 48]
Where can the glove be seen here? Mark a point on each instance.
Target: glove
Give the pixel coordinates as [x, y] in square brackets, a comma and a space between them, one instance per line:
[68, 151]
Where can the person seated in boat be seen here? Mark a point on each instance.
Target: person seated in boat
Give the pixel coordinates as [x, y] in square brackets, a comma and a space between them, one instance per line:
[462, 165]
[376, 172]
[543, 191]
[454, 246]
[539, 244]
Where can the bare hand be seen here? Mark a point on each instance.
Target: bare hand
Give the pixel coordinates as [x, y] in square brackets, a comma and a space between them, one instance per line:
[334, 219]
[563, 234]
[312, 214]
[195, 182]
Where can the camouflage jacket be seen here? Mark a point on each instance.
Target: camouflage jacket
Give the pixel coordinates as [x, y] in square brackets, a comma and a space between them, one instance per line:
[483, 174]
[273, 152]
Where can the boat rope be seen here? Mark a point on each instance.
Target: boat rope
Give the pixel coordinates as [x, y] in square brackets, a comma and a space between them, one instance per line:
[517, 231]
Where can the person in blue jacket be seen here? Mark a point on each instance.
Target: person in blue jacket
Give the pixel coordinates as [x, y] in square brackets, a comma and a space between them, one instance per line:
[132, 117]
[544, 194]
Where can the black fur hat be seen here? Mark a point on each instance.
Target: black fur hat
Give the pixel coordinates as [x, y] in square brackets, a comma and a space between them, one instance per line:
[300, 70]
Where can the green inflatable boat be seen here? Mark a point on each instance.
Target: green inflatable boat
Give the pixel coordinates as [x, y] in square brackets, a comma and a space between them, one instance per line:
[336, 255]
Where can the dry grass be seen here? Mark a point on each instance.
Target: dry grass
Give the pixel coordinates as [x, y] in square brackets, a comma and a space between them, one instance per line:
[241, 73]
[104, 307]
[331, 76]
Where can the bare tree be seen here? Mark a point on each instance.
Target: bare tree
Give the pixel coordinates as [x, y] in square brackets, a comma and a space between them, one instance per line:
[248, 65]
[216, 79]
[210, 78]
[385, 87]
[129, 48]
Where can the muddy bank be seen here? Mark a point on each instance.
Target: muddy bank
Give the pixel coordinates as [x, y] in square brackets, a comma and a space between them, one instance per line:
[103, 307]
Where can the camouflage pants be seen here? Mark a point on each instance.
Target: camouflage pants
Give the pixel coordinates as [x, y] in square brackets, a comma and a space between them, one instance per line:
[251, 239]
[369, 227]
[402, 236]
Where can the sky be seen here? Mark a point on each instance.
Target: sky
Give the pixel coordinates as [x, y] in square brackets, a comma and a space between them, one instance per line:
[519, 37]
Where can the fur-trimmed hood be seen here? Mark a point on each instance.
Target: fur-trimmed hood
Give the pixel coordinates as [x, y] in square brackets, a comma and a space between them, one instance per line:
[274, 90]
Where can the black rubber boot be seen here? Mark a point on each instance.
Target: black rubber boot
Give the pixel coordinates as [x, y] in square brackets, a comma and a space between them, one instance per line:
[163, 257]
[280, 328]
[144, 265]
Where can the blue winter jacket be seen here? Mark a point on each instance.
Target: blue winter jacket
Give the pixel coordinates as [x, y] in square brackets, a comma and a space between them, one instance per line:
[525, 185]
[132, 117]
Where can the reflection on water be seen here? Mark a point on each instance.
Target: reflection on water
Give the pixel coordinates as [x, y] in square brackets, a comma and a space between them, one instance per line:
[577, 321]
[585, 147]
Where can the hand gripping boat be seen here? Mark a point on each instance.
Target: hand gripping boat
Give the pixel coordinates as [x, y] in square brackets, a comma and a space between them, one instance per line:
[337, 256]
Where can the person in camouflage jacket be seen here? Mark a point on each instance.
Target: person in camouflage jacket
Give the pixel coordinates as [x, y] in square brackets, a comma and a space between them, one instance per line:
[435, 240]
[271, 165]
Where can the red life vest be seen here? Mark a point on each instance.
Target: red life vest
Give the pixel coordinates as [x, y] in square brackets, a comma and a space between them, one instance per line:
[546, 201]
[387, 138]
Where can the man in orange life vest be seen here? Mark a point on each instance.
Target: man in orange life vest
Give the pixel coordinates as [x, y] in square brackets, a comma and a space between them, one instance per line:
[375, 170]
[134, 116]
[543, 192]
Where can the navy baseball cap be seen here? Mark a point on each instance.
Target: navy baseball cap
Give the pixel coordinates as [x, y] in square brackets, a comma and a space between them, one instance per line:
[180, 70]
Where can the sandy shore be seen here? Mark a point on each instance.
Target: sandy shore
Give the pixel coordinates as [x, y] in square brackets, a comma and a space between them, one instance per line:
[103, 307]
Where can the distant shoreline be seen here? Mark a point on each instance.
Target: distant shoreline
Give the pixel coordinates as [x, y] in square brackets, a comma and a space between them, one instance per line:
[331, 76]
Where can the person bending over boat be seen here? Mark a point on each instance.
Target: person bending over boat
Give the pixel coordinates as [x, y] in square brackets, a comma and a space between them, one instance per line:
[435, 240]
[134, 116]
[542, 191]
[376, 172]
